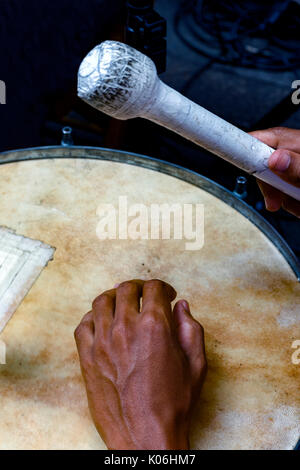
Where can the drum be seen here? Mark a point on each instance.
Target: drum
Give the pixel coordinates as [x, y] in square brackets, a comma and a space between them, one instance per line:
[241, 284]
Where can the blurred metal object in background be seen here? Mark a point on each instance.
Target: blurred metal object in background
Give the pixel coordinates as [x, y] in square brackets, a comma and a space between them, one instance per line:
[67, 139]
[240, 189]
[146, 31]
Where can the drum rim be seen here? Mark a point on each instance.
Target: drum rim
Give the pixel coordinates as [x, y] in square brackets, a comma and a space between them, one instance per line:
[171, 169]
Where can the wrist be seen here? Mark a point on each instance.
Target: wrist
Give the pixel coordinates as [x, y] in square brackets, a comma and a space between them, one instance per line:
[173, 440]
[182, 444]
[154, 434]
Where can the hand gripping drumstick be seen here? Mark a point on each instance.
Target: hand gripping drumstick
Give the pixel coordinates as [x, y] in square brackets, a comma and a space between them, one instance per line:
[123, 83]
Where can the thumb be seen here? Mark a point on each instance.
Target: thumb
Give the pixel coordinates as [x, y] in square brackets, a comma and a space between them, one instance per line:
[286, 164]
[190, 335]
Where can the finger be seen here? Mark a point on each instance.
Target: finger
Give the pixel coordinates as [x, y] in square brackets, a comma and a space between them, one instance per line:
[138, 281]
[273, 197]
[291, 205]
[267, 136]
[103, 312]
[280, 137]
[128, 298]
[190, 336]
[157, 297]
[84, 335]
[286, 164]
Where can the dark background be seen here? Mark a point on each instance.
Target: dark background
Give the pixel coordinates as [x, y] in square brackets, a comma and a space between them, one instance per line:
[42, 44]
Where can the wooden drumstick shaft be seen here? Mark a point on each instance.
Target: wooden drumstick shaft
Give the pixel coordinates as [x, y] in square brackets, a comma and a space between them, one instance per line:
[122, 82]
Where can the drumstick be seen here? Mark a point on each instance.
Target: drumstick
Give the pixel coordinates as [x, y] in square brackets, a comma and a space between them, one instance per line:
[123, 83]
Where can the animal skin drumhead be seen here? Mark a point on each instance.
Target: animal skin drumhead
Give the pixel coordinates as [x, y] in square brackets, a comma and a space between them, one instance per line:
[239, 285]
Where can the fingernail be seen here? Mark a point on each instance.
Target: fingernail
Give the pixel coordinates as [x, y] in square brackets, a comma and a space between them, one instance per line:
[185, 305]
[279, 161]
[116, 285]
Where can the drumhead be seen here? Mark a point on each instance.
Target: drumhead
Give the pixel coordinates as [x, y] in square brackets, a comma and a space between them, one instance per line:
[242, 286]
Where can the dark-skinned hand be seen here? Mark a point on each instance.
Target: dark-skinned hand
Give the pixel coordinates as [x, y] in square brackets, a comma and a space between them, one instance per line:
[143, 365]
[285, 162]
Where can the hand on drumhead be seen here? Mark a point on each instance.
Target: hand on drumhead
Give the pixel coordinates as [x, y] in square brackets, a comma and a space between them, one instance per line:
[285, 162]
[143, 365]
